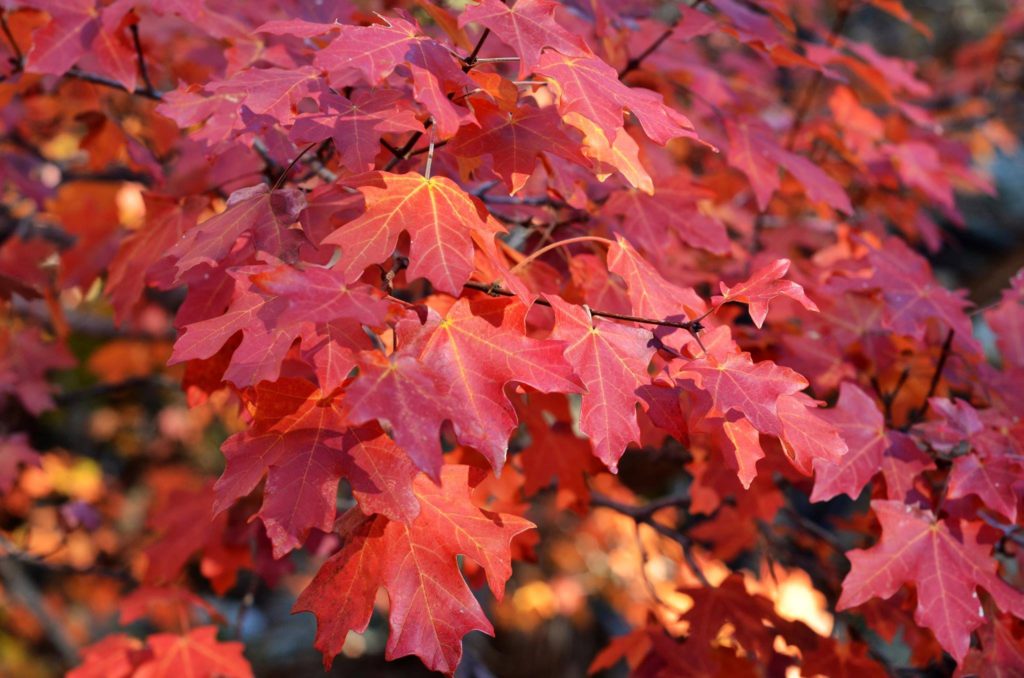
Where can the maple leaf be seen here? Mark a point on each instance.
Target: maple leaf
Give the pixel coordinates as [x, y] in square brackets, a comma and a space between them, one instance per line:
[650, 294]
[261, 215]
[590, 88]
[615, 152]
[904, 461]
[862, 426]
[611, 361]
[528, 27]
[1007, 321]
[746, 450]
[993, 480]
[405, 392]
[273, 305]
[947, 562]
[304, 445]
[431, 607]
[763, 286]
[914, 297]
[78, 29]
[439, 217]
[115, 656]
[196, 654]
[841, 660]
[356, 124]
[375, 51]
[477, 357]
[515, 141]
[555, 451]
[647, 219]
[752, 617]
[734, 382]
[25, 358]
[1001, 654]
[130, 270]
[186, 524]
[753, 152]
[807, 434]
[270, 91]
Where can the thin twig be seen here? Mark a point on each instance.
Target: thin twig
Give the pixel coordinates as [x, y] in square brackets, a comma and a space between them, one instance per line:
[811, 92]
[635, 63]
[143, 69]
[284, 174]
[645, 515]
[495, 290]
[803, 109]
[20, 586]
[19, 56]
[470, 61]
[79, 74]
[918, 413]
[402, 153]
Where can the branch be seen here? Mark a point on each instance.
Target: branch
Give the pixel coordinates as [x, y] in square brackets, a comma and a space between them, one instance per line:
[471, 60]
[645, 514]
[402, 153]
[86, 324]
[917, 414]
[143, 70]
[19, 57]
[691, 326]
[12, 553]
[79, 74]
[811, 92]
[635, 62]
[19, 586]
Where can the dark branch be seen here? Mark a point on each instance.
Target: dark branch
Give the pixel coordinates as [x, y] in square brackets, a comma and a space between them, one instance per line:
[645, 514]
[19, 57]
[691, 326]
[79, 74]
[918, 413]
[143, 70]
[470, 61]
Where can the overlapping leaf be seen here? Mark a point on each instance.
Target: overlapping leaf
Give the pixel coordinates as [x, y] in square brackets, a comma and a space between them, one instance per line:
[439, 217]
[431, 607]
[948, 562]
[528, 27]
[611, 360]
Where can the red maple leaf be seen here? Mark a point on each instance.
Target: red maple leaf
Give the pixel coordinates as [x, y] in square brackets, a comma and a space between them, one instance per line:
[763, 286]
[528, 27]
[437, 214]
[431, 607]
[947, 562]
[611, 361]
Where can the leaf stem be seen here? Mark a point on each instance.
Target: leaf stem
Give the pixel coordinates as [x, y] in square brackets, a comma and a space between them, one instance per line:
[284, 174]
[430, 156]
